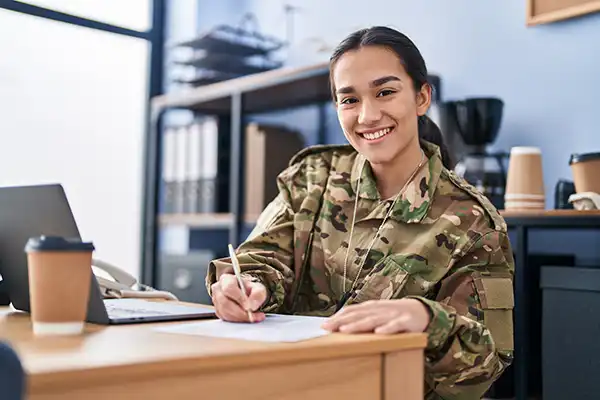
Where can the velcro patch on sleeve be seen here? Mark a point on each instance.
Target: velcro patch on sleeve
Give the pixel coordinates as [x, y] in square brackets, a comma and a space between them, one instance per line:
[497, 301]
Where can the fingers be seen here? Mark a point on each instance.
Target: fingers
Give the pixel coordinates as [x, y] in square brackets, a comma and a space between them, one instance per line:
[397, 325]
[377, 316]
[229, 310]
[231, 289]
[229, 302]
[363, 324]
[226, 308]
[343, 319]
[257, 294]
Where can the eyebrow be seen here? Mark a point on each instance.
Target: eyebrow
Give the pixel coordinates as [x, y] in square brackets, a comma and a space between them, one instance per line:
[374, 83]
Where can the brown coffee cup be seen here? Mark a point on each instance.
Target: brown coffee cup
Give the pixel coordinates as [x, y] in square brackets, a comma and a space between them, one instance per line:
[522, 201]
[525, 179]
[59, 284]
[586, 172]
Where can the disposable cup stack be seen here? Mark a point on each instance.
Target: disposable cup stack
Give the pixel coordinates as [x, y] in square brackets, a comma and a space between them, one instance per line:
[525, 180]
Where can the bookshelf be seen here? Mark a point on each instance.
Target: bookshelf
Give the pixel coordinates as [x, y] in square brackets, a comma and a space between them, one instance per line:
[202, 220]
[230, 101]
[198, 220]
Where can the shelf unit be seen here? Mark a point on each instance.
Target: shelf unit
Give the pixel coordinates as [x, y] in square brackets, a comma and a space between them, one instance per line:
[270, 91]
[217, 220]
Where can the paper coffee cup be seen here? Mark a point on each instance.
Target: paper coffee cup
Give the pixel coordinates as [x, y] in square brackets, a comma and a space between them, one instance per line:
[523, 201]
[586, 172]
[59, 284]
[524, 205]
[524, 179]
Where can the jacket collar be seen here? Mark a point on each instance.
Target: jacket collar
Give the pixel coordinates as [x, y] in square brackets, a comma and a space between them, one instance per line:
[413, 204]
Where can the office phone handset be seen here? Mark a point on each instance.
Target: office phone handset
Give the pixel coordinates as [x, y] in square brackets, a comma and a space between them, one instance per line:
[124, 285]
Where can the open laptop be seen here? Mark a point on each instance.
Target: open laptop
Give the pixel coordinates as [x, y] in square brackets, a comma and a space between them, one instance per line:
[28, 211]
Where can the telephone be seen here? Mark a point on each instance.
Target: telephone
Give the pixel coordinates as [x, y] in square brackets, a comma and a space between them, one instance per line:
[124, 285]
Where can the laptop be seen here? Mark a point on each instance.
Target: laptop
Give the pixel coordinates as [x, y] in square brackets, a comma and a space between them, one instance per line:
[28, 211]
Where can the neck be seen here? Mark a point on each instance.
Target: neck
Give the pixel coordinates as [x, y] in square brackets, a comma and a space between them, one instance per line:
[392, 176]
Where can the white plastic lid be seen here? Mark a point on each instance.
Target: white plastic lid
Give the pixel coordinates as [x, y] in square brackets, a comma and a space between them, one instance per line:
[525, 150]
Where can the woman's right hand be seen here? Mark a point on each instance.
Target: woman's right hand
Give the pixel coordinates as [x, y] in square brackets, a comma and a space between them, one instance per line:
[229, 301]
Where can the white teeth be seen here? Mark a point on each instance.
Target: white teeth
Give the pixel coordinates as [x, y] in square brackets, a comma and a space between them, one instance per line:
[376, 135]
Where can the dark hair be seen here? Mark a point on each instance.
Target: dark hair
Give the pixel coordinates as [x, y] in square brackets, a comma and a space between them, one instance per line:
[413, 63]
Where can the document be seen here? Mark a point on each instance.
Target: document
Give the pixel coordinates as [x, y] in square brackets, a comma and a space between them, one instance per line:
[275, 328]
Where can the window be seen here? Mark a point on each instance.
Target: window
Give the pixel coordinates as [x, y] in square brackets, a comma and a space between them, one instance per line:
[72, 107]
[132, 14]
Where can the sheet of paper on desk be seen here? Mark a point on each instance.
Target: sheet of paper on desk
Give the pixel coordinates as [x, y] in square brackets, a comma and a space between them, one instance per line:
[275, 328]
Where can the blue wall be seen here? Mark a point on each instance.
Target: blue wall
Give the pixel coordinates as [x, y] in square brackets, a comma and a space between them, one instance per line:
[548, 75]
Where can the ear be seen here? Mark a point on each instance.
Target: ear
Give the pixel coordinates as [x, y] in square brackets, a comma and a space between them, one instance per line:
[423, 99]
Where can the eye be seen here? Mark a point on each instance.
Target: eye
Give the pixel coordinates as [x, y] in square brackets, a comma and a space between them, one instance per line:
[348, 100]
[385, 92]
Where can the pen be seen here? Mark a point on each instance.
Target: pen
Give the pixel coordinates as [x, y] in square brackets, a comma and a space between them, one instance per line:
[238, 272]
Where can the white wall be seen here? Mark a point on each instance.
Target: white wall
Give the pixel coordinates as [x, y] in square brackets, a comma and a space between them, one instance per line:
[72, 110]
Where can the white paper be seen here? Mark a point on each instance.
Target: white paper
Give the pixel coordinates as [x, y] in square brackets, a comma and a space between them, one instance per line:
[275, 328]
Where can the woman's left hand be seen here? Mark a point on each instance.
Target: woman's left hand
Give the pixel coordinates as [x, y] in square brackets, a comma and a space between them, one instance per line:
[381, 316]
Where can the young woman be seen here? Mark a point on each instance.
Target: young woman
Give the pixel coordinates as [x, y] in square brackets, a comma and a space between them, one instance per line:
[380, 235]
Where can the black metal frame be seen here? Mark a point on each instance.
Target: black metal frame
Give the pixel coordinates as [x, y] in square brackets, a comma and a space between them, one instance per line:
[521, 226]
[237, 175]
[150, 272]
[37, 11]
[153, 159]
[152, 143]
[156, 36]
[234, 106]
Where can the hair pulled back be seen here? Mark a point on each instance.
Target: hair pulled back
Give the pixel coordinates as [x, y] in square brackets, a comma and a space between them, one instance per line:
[413, 63]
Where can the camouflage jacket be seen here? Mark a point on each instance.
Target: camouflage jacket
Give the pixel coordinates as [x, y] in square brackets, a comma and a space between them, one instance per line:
[444, 244]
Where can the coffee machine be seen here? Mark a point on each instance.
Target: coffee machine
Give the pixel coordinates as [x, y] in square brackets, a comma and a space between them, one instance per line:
[471, 126]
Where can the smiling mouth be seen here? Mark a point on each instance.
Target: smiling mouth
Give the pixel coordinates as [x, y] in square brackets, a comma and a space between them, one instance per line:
[376, 135]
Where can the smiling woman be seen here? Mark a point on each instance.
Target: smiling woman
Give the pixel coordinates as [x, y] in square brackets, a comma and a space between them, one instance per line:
[380, 235]
[380, 86]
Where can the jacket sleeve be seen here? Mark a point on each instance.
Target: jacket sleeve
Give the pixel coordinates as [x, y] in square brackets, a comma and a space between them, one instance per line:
[267, 254]
[470, 336]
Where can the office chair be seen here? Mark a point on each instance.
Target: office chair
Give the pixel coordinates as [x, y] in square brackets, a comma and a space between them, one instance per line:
[12, 375]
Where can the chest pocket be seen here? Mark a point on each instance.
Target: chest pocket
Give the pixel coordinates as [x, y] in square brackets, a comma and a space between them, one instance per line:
[385, 281]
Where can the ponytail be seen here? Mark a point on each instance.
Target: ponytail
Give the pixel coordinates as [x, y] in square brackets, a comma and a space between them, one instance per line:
[430, 132]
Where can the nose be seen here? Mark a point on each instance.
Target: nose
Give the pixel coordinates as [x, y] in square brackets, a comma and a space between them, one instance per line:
[369, 113]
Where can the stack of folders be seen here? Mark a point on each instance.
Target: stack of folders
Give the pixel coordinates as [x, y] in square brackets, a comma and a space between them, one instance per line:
[190, 167]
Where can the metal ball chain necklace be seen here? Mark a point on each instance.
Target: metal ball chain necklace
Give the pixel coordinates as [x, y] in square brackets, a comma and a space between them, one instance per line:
[346, 295]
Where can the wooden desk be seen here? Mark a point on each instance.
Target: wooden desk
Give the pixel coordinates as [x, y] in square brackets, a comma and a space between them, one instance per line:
[517, 215]
[136, 362]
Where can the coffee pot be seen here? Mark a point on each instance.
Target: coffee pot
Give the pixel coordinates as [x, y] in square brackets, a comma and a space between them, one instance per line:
[477, 122]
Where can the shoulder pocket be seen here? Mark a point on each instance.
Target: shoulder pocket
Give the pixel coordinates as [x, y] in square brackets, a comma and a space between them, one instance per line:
[496, 296]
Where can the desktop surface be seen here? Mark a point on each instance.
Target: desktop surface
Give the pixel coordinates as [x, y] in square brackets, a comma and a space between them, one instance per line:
[120, 361]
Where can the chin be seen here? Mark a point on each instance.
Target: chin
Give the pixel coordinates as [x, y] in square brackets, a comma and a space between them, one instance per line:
[379, 157]
[383, 153]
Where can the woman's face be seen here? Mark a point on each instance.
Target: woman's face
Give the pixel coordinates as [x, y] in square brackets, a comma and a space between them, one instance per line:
[376, 103]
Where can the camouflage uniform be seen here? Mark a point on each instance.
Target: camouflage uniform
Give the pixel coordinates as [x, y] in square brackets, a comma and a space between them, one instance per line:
[444, 244]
